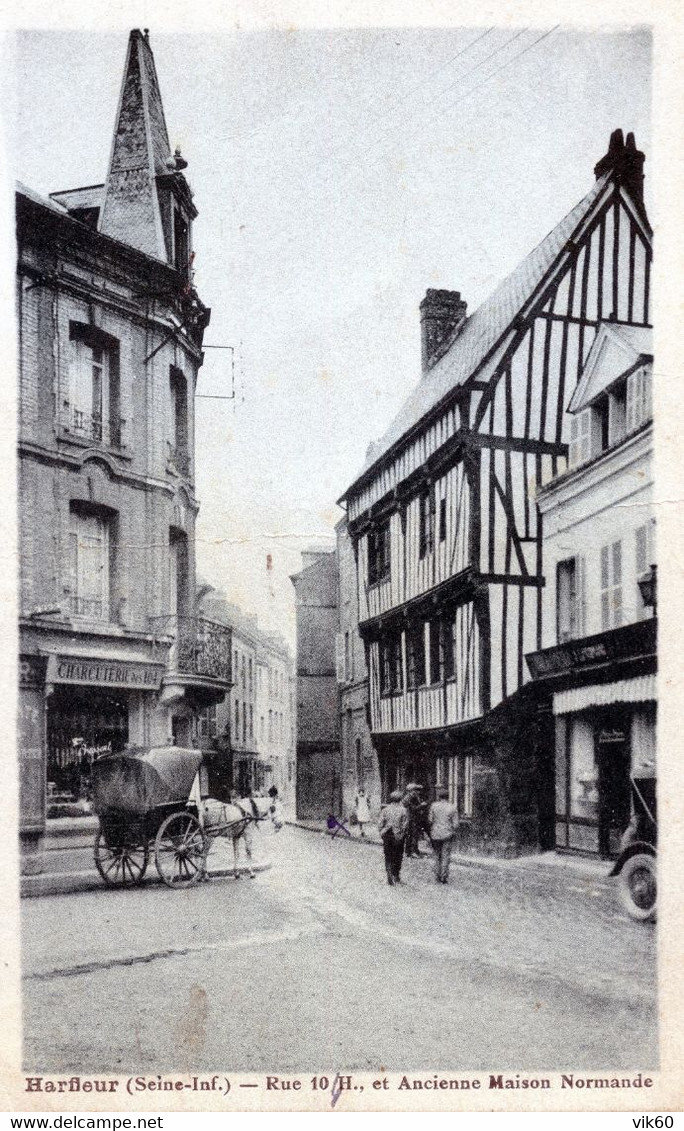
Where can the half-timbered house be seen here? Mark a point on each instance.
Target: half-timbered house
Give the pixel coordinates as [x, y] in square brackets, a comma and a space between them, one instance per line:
[443, 516]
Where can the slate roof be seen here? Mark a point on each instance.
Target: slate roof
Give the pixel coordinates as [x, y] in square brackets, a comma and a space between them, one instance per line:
[481, 331]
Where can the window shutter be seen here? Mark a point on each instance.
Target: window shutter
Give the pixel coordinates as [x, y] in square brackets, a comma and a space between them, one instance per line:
[339, 657]
[581, 591]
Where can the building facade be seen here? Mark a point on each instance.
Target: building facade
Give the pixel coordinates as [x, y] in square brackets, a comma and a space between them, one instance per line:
[110, 343]
[252, 729]
[359, 760]
[598, 666]
[319, 771]
[445, 524]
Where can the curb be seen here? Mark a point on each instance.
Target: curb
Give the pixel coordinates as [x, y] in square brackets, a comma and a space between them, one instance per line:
[69, 883]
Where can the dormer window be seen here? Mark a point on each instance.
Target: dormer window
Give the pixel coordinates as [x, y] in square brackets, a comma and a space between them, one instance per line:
[181, 242]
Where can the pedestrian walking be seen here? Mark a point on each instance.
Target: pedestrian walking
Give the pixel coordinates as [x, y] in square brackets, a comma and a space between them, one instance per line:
[361, 811]
[417, 815]
[276, 809]
[392, 826]
[442, 824]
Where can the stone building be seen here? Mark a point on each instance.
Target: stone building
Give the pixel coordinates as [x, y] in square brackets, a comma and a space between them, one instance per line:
[598, 664]
[359, 760]
[446, 525]
[110, 343]
[252, 728]
[319, 771]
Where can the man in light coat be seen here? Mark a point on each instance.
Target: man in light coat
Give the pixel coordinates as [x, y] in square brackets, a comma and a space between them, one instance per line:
[442, 824]
[392, 826]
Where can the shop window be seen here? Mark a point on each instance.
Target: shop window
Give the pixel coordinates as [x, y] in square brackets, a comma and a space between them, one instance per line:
[644, 537]
[426, 522]
[91, 406]
[391, 667]
[583, 769]
[415, 655]
[379, 553]
[570, 599]
[611, 586]
[90, 552]
[455, 774]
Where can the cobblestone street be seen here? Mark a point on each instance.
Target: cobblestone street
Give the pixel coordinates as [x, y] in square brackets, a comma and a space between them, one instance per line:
[318, 964]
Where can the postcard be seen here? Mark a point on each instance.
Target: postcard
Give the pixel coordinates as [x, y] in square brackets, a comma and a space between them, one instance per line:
[342, 600]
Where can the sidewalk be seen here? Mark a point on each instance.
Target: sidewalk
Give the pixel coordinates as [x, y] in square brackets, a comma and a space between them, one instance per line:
[69, 866]
[579, 865]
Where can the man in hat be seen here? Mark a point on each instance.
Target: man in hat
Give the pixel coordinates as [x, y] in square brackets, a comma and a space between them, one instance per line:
[416, 809]
[392, 826]
[442, 824]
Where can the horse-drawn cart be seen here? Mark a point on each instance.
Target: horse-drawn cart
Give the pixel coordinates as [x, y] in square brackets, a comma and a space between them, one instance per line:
[142, 800]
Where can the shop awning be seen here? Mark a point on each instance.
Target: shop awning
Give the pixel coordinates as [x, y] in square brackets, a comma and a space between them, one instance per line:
[640, 689]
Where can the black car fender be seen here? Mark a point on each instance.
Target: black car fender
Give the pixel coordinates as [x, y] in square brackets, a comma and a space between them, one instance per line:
[637, 846]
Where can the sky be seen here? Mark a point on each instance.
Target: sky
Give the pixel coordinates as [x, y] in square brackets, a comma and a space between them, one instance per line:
[338, 174]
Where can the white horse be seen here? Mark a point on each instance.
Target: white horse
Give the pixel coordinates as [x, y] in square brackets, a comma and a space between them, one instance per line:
[235, 820]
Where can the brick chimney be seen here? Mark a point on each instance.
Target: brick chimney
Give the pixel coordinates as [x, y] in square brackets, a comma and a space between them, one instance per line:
[626, 163]
[442, 313]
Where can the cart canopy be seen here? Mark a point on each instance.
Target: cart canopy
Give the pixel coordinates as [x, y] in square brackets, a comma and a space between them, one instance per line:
[137, 780]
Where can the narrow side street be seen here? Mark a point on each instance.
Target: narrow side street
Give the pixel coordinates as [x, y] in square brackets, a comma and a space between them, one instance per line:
[318, 964]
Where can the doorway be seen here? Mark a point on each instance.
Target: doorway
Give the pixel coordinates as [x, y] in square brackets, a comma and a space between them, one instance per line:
[613, 763]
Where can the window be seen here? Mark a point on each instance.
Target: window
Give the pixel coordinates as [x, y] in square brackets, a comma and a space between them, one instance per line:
[251, 722]
[442, 520]
[426, 522]
[250, 678]
[639, 406]
[178, 439]
[456, 775]
[181, 243]
[448, 647]
[435, 630]
[244, 723]
[391, 667]
[611, 586]
[617, 402]
[570, 599]
[206, 723]
[237, 720]
[87, 584]
[379, 553]
[243, 677]
[415, 655]
[91, 406]
[645, 558]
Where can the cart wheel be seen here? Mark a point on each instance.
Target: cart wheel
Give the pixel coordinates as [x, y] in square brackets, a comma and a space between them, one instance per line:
[120, 866]
[180, 850]
[638, 886]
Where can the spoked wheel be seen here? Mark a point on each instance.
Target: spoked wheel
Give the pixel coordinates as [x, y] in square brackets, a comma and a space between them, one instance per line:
[180, 850]
[638, 886]
[121, 865]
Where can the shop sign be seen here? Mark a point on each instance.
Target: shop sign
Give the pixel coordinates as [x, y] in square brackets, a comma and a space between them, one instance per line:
[611, 737]
[105, 673]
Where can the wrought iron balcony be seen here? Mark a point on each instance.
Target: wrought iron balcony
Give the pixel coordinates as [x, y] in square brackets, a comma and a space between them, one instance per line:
[92, 426]
[90, 608]
[200, 647]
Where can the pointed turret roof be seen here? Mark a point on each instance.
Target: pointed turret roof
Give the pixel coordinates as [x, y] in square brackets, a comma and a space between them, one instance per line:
[140, 153]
